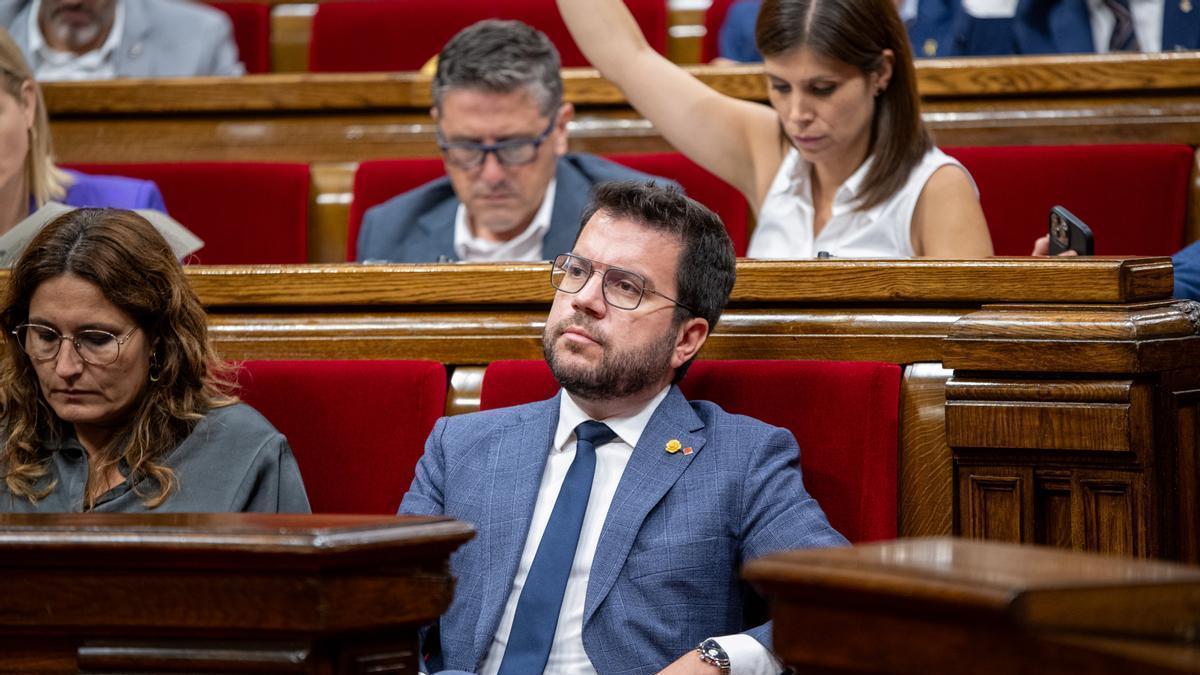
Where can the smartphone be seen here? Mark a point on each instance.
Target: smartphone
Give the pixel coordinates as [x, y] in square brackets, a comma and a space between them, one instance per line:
[1068, 233]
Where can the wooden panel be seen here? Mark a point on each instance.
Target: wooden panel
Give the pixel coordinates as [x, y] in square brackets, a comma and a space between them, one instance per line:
[1054, 513]
[995, 502]
[1187, 493]
[291, 33]
[466, 385]
[926, 482]
[332, 191]
[1109, 507]
[1056, 426]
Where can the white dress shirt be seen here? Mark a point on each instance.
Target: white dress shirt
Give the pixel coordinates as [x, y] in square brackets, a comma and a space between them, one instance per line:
[1147, 23]
[526, 246]
[52, 65]
[567, 656]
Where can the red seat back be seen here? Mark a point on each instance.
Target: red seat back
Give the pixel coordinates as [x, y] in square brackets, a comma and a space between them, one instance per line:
[377, 181]
[845, 415]
[1134, 197]
[246, 212]
[388, 35]
[357, 428]
[701, 185]
[251, 32]
[714, 18]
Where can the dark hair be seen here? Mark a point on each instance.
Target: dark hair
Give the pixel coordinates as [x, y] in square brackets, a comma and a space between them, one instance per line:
[132, 265]
[856, 32]
[706, 267]
[501, 57]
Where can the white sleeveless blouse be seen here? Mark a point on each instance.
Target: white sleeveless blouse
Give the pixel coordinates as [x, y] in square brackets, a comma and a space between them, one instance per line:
[785, 221]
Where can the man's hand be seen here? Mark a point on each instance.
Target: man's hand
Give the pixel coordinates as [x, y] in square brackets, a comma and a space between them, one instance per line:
[690, 664]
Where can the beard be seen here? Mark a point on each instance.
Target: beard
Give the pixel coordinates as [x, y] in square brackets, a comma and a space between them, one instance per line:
[619, 374]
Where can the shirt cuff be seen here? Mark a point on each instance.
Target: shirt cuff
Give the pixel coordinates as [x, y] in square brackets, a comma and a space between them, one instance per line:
[748, 656]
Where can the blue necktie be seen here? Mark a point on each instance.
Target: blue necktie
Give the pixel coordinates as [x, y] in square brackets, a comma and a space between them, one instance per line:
[1124, 37]
[541, 599]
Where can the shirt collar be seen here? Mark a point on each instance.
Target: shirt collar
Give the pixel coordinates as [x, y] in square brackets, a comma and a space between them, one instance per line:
[848, 191]
[628, 428]
[466, 243]
[43, 51]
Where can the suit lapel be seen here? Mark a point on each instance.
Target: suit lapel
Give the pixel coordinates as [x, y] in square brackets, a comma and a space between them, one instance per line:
[1181, 30]
[130, 58]
[434, 234]
[516, 469]
[570, 196]
[649, 475]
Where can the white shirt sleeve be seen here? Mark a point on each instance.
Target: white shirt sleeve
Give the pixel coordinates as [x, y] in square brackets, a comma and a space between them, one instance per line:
[748, 656]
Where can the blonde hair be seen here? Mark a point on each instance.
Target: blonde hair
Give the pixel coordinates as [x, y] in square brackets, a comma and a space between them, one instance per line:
[130, 262]
[44, 180]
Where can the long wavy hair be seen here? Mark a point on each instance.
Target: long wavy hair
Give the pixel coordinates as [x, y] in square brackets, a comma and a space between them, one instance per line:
[131, 263]
[856, 32]
[43, 179]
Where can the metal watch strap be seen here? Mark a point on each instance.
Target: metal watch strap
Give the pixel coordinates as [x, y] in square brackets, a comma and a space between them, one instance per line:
[710, 652]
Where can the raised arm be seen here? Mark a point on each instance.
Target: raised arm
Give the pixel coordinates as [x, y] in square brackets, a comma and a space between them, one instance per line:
[736, 140]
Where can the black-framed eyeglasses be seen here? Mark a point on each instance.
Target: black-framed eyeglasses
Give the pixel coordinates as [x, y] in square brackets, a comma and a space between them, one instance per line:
[97, 347]
[621, 288]
[511, 152]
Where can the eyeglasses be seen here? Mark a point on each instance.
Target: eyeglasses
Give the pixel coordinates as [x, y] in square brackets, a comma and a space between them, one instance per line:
[97, 347]
[621, 288]
[512, 152]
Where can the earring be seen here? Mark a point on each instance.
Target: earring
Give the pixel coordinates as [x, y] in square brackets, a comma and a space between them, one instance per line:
[155, 371]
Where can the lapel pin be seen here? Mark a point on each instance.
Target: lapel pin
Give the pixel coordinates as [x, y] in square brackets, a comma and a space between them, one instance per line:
[687, 450]
[1185, 6]
[674, 445]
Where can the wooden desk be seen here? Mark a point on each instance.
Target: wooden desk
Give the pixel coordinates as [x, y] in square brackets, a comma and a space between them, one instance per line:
[1050, 400]
[220, 593]
[944, 605]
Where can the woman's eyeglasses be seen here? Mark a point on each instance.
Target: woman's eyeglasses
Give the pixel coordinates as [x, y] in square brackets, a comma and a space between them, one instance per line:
[97, 347]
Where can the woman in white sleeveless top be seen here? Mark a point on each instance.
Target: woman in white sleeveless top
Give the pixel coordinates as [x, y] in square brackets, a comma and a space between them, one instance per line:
[843, 162]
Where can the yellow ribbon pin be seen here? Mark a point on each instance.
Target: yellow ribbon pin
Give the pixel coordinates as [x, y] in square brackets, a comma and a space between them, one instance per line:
[673, 446]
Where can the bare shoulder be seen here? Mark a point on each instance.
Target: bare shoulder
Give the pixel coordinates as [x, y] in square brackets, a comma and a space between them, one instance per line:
[948, 221]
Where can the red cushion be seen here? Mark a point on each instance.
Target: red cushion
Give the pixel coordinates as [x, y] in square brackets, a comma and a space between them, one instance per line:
[714, 18]
[357, 428]
[377, 181]
[386, 35]
[845, 415]
[701, 185]
[1134, 197]
[251, 32]
[246, 212]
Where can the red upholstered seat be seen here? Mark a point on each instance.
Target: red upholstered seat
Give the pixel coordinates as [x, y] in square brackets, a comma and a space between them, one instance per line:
[714, 18]
[1134, 197]
[251, 31]
[246, 212]
[844, 415]
[377, 181]
[386, 35]
[701, 185]
[357, 428]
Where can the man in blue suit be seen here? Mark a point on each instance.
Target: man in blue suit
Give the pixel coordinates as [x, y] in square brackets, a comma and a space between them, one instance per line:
[612, 519]
[997, 27]
[511, 191]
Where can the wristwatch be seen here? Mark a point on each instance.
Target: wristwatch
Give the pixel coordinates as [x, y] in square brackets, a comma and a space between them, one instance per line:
[711, 653]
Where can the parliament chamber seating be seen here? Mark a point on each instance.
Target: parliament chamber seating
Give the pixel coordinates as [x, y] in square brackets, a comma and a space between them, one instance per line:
[843, 414]
[379, 180]
[1134, 197]
[394, 35]
[246, 212]
[251, 31]
[357, 428]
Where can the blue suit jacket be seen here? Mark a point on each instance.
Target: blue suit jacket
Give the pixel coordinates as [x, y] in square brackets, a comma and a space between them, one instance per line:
[117, 192]
[418, 226]
[1037, 27]
[679, 528]
[1187, 272]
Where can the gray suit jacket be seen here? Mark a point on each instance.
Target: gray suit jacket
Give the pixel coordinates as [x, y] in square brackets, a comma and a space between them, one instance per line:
[163, 38]
[418, 226]
[680, 526]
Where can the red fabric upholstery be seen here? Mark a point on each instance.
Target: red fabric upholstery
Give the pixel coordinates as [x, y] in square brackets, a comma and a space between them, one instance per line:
[251, 32]
[387, 35]
[701, 185]
[377, 181]
[246, 212]
[714, 18]
[357, 428]
[844, 415]
[1134, 197]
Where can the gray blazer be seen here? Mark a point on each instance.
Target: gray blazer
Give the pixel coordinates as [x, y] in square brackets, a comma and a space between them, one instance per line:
[418, 226]
[681, 525]
[163, 38]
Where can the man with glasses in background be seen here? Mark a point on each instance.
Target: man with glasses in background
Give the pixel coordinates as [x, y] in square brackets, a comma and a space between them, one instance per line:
[612, 519]
[511, 191]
